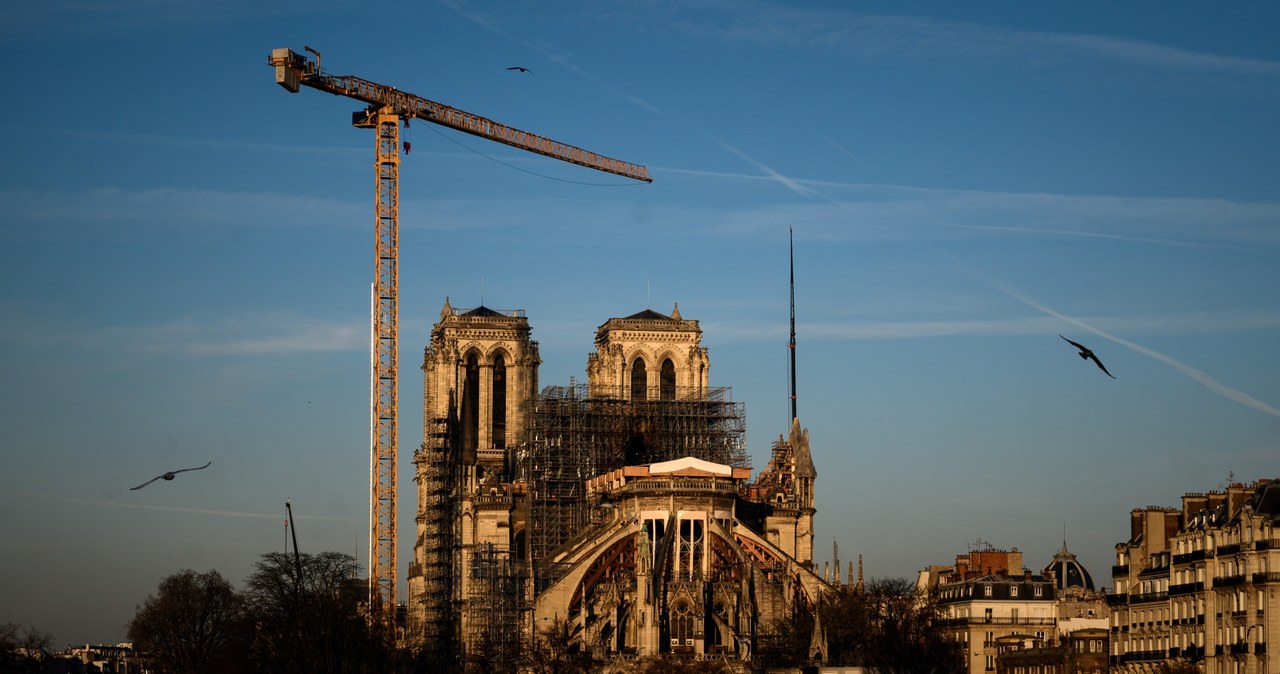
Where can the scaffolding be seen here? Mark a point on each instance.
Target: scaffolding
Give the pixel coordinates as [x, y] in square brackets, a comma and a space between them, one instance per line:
[437, 513]
[579, 434]
[496, 606]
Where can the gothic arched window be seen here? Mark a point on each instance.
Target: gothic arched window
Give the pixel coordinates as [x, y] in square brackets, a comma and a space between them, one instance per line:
[470, 416]
[667, 388]
[682, 624]
[499, 400]
[639, 380]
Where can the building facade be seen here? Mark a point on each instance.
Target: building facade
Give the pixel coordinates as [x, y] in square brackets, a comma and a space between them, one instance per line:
[992, 604]
[1200, 584]
[1081, 652]
[988, 595]
[620, 513]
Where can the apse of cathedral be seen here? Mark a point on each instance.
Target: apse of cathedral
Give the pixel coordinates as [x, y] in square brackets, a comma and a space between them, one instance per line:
[621, 511]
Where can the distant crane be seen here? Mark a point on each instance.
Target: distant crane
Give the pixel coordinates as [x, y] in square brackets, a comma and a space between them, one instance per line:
[387, 109]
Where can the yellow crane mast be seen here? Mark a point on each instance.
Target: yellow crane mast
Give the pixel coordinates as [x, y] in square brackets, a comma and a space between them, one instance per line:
[387, 108]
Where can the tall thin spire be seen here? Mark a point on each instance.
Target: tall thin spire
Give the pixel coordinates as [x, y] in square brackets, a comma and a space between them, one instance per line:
[792, 250]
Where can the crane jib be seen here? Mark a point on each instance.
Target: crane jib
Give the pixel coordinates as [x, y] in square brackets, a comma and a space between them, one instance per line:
[388, 107]
[411, 105]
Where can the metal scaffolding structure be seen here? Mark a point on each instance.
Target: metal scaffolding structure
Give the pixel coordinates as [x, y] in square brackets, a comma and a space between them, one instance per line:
[437, 477]
[496, 605]
[577, 435]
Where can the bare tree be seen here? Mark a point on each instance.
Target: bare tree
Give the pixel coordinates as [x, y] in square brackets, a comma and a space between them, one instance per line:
[888, 628]
[307, 613]
[22, 648]
[555, 652]
[191, 625]
[784, 642]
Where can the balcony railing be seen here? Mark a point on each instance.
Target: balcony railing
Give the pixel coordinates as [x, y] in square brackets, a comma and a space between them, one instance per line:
[1142, 656]
[1267, 577]
[1229, 549]
[1185, 588]
[1148, 597]
[1193, 556]
[982, 620]
[1229, 581]
[1121, 570]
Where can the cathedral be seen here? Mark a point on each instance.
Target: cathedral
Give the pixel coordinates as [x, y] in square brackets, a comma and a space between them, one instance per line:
[620, 513]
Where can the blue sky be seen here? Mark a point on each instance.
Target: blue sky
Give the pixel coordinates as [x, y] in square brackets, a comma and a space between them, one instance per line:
[186, 252]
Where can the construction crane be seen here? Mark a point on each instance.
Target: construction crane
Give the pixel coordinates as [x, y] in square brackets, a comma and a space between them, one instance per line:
[387, 108]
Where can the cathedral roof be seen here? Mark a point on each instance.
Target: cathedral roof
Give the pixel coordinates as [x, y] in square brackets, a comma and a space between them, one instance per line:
[649, 314]
[482, 310]
[1068, 571]
[690, 465]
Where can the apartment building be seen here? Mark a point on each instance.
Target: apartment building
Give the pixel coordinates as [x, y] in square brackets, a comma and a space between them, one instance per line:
[1200, 585]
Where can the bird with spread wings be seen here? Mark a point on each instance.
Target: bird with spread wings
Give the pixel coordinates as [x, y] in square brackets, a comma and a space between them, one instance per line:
[1087, 353]
[168, 476]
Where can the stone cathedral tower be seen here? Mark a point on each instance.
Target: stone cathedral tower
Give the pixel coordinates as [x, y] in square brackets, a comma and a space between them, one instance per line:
[621, 510]
[480, 377]
[648, 356]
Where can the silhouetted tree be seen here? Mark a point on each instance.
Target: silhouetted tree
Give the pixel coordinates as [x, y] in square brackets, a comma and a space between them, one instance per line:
[674, 665]
[890, 627]
[192, 625]
[785, 642]
[555, 652]
[307, 616]
[23, 649]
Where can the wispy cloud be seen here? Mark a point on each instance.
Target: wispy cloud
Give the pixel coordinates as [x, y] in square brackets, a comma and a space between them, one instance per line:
[1191, 323]
[99, 503]
[308, 149]
[293, 335]
[1199, 376]
[860, 211]
[770, 173]
[121, 17]
[245, 334]
[1049, 231]
[767, 24]
[35, 212]
[480, 20]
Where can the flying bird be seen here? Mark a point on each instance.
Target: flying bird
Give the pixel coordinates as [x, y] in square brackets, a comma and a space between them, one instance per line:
[520, 68]
[168, 476]
[1086, 352]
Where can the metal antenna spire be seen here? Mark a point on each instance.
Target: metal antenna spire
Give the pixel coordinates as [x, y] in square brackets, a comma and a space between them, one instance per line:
[791, 241]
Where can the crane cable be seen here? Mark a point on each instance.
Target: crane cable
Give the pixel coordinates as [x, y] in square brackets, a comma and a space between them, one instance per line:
[517, 168]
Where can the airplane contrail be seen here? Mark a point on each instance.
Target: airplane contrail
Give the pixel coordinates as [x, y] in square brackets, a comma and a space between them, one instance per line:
[1209, 382]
